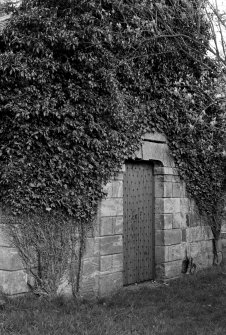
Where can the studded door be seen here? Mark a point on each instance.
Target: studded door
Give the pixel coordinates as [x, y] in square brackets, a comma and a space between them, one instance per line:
[138, 235]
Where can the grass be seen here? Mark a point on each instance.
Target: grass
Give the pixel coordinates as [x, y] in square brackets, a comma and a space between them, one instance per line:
[192, 305]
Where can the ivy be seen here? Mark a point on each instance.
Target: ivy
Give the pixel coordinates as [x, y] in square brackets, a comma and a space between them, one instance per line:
[80, 82]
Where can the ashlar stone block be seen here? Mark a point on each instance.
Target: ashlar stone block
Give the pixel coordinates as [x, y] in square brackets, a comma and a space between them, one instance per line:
[13, 282]
[174, 252]
[200, 233]
[111, 225]
[163, 221]
[157, 151]
[176, 192]
[111, 263]
[89, 286]
[184, 206]
[10, 259]
[111, 207]
[4, 238]
[163, 189]
[168, 237]
[169, 253]
[179, 220]
[167, 205]
[90, 266]
[169, 270]
[111, 245]
[114, 189]
[108, 283]
[92, 247]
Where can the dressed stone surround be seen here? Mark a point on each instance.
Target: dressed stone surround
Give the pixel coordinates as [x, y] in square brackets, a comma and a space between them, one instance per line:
[178, 229]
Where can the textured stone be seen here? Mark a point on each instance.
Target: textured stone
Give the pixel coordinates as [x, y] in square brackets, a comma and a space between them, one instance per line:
[4, 239]
[169, 253]
[179, 220]
[199, 233]
[90, 266]
[114, 189]
[159, 188]
[169, 270]
[160, 254]
[108, 283]
[168, 237]
[163, 221]
[202, 253]
[167, 205]
[111, 225]
[200, 247]
[194, 219]
[92, 247]
[157, 151]
[10, 260]
[13, 282]
[111, 263]
[159, 205]
[183, 191]
[184, 235]
[163, 189]
[184, 205]
[111, 245]
[111, 207]
[174, 252]
[89, 286]
[176, 193]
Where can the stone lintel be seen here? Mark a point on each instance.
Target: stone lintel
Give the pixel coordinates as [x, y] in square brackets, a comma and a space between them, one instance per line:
[158, 152]
[156, 137]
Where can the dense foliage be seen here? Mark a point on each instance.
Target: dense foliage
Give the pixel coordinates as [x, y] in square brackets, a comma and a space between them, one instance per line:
[80, 81]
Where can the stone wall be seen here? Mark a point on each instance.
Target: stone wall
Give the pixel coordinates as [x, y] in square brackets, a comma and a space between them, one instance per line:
[103, 259]
[13, 277]
[178, 230]
[178, 227]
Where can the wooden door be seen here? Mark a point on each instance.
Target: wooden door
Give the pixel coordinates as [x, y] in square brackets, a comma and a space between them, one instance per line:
[138, 234]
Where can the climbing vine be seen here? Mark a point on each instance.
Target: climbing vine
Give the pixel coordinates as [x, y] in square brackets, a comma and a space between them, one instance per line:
[80, 82]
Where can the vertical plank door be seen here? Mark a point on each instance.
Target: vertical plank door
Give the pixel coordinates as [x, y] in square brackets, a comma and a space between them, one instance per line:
[138, 235]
